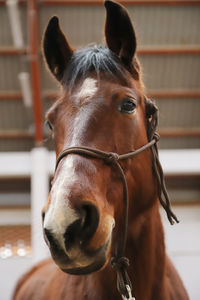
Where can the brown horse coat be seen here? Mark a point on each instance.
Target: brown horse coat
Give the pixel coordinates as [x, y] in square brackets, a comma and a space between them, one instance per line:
[102, 106]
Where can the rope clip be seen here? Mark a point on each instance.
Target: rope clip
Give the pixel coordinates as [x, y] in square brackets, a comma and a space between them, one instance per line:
[130, 297]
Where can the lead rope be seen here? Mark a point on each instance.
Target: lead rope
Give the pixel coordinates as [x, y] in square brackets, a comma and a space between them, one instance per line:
[119, 262]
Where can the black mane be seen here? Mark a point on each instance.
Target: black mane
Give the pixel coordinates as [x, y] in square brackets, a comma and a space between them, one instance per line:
[98, 59]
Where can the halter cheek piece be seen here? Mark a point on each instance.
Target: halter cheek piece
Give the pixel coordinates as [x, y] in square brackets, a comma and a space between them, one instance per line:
[119, 262]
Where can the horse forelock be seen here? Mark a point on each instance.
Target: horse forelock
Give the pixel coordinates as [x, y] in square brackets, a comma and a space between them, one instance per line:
[97, 59]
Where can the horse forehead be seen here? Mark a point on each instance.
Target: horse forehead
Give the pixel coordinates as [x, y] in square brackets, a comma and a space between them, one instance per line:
[87, 89]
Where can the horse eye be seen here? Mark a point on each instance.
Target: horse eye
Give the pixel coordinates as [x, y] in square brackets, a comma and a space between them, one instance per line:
[127, 106]
[50, 126]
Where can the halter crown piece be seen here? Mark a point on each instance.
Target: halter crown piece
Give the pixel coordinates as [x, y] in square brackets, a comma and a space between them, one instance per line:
[119, 262]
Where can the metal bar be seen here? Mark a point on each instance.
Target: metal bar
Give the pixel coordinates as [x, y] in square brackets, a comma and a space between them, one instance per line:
[34, 66]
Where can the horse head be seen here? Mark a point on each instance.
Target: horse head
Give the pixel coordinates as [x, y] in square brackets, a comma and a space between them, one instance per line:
[102, 106]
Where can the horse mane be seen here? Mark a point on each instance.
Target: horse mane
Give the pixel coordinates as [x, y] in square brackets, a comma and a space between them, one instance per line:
[96, 59]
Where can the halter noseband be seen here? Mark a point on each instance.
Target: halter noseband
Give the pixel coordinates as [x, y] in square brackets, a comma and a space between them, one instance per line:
[119, 262]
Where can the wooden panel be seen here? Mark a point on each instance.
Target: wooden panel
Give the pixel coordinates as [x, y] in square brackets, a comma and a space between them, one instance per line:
[179, 133]
[12, 51]
[23, 134]
[124, 2]
[160, 94]
[194, 94]
[170, 51]
[10, 96]
[52, 95]
[4, 51]
[15, 134]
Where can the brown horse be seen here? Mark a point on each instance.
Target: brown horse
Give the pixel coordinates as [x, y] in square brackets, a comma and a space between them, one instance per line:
[85, 220]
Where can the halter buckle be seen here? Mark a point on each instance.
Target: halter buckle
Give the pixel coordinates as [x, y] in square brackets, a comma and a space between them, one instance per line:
[130, 297]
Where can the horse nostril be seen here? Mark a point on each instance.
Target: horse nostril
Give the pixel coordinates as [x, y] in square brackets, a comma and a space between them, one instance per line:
[72, 233]
[82, 229]
[43, 216]
[49, 238]
[89, 222]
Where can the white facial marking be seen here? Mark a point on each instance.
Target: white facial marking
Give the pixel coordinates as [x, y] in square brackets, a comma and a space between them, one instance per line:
[88, 88]
[84, 94]
[59, 215]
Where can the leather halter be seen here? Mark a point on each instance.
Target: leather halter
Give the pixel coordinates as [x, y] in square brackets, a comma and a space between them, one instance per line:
[119, 262]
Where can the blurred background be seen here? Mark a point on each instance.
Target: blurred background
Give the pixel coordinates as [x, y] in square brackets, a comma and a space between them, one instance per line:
[169, 50]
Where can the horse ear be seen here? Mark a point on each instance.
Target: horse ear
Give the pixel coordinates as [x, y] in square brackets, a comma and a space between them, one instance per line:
[57, 51]
[152, 117]
[119, 32]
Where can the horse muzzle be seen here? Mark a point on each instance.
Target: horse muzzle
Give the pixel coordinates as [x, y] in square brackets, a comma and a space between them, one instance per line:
[80, 242]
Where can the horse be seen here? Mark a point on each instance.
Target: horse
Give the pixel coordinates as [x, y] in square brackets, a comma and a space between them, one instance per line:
[102, 214]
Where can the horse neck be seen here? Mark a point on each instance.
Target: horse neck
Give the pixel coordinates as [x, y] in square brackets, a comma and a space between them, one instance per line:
[145, 247]
[146, 252]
